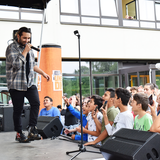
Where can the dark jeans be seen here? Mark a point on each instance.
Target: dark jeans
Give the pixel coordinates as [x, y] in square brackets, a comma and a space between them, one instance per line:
[18, 102]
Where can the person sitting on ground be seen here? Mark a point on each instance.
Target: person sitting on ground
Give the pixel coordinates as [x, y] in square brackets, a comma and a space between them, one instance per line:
[124, 119]
[112, 112]
[143, 120]
[71, 121]
[78, 115]
[49, 110]
[91, 127]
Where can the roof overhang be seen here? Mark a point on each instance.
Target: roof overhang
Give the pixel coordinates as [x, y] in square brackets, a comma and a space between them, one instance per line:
[35, 4]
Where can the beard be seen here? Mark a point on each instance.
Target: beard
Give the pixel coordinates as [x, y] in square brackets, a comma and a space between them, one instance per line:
[21, 42]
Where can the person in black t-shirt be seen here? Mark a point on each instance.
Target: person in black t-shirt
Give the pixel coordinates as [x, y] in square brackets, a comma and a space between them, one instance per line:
[71, 121]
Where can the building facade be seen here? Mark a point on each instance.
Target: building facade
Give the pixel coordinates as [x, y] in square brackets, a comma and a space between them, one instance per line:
[119, 40]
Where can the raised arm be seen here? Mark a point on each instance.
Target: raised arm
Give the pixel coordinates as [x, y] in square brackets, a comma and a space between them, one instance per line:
[93, 133]
[153, 110]
[38, 70]
[101, 137]
[71, 109]
[97, 122]
[156, 125]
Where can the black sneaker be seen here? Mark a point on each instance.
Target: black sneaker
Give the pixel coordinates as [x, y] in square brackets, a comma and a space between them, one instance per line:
[33, 134]
[20, 137]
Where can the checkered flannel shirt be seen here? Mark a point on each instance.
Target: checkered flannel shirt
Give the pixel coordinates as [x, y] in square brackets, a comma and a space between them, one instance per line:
[16, 67]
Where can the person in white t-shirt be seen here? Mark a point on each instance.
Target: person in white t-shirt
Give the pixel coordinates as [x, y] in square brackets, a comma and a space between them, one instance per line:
[123, 120]
[91, 128]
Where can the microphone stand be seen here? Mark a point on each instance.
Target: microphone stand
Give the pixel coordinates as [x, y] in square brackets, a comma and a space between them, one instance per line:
[81, 146]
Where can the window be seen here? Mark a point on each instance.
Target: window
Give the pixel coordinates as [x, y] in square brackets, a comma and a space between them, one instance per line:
[123, 81]
[91, 12]
[71, 85]
[132, 77]
[102, 76]
[90, 7]
[111, 82]
[146, 10]
[71, 67]
[158, 78]
[104, 67]
[131, 9]
[108, 8]
[144, 77]
[20, 14]
[123, 13]
[98, 85]
[69, 6]
[157, 5]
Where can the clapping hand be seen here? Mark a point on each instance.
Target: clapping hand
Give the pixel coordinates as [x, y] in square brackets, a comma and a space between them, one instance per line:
[66, 100]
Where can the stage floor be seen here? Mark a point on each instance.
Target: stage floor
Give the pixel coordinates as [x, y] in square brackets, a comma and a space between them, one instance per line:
[45, 149]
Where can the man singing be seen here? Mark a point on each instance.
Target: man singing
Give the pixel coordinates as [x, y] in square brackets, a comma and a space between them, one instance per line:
[20, 67]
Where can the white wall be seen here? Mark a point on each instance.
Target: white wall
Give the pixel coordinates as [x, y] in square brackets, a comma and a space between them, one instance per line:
[96, 42]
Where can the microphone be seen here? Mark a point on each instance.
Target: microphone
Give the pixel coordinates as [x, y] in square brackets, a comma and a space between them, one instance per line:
[37, 49]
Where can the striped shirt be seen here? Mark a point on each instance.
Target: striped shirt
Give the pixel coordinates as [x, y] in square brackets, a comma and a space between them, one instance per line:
[16, 67]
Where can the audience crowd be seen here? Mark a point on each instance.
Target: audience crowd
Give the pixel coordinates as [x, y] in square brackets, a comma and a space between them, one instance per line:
[135, 107]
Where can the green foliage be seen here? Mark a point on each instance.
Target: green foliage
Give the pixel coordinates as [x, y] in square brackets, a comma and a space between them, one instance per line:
[84, 70]
[71, 86]
[2, 67]
[104, 67]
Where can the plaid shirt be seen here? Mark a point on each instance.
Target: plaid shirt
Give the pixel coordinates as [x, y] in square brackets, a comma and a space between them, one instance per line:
[16, 67]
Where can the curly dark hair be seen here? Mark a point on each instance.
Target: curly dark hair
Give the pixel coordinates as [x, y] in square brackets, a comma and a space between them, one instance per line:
[124, 94]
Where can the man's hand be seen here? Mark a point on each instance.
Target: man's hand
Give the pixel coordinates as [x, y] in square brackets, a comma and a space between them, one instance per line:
[26, 49]
[90, 143]
[46, 76]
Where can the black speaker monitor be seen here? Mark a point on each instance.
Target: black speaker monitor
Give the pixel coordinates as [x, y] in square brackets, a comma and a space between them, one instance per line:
[6, 115]
[49, 127]
[133, 145]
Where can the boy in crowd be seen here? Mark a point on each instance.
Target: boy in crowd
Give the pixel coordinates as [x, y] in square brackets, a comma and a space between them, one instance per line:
[143, 120]
[134, 90]
[156, 90]
[149, 90]
[112, 112]
[49, 110]
[124, 119]
[91, 127]
[77, 114]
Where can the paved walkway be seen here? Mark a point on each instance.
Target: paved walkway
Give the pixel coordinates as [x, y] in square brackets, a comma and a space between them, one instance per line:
[46, 149]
